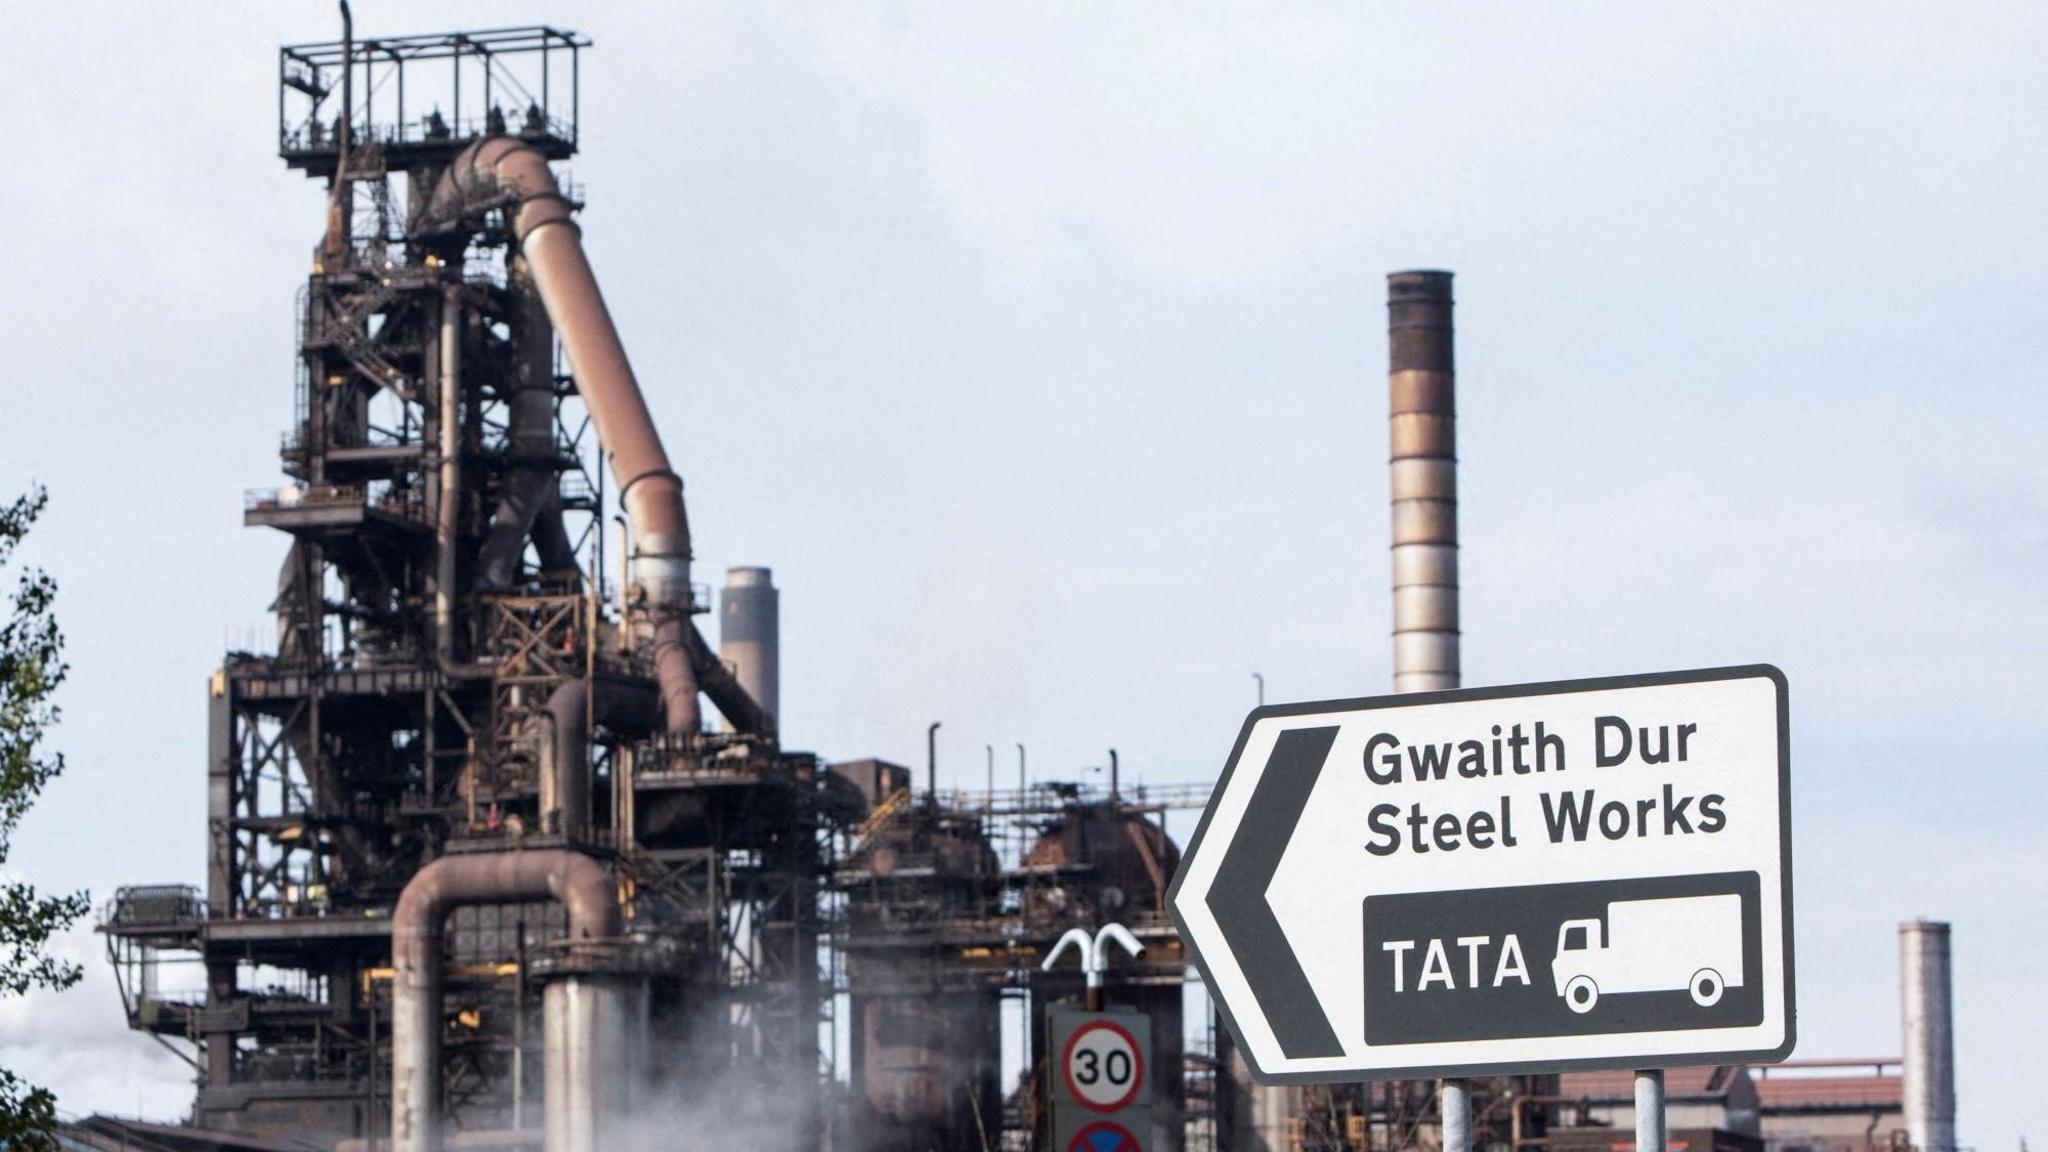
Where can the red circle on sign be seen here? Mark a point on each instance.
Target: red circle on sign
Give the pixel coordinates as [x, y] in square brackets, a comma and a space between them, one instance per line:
[1104, 1136]
[1137, 1068]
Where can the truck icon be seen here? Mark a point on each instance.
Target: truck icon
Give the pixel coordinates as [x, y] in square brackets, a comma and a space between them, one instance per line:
[1692, 943]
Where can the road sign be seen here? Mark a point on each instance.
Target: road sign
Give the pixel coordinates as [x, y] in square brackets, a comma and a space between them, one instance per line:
[1101, 1078]
[1104, 1136]
[1102, 1066]
[1583, 874]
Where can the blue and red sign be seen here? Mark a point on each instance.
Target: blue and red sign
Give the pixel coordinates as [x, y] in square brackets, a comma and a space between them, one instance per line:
[1104, 1136]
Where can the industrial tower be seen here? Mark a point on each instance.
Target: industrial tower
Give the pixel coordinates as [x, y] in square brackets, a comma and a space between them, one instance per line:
[477, 718]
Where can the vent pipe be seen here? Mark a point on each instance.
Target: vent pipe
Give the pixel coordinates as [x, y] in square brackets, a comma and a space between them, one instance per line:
[1421, 427]
[749, 636]
[448, 477]
[1929, 1088]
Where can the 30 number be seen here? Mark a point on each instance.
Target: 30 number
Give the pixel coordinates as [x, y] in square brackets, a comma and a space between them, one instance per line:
[1093, 1067]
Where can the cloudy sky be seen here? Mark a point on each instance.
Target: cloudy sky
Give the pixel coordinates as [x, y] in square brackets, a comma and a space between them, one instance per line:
[1039, 349]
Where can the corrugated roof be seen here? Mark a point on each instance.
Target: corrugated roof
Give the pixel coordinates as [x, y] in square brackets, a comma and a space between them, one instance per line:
[1792, 1092]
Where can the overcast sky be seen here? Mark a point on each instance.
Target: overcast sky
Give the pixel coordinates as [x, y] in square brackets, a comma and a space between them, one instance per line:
[1040, 350]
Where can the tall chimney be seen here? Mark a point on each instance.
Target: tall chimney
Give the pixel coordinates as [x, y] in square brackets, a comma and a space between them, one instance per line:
[1929, 1042]
[749, 635]
[1421, 435]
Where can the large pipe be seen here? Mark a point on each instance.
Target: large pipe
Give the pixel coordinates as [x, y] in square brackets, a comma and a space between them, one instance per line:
[1423, 461]
[565, 773]
[718, 682]
[749, 635]
[418, 954]
[596, 1047]
[1928, 1090]
[504, 168]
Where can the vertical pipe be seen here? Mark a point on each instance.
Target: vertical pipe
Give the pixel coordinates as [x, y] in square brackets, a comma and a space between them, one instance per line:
[749, 635]
[625, 550]
[1928, 1072]
[596, 1047]
[1423, 463]
[339, 199]
[370, 1128]
[448, 508]
[1650, 1110]
[1023, 822]
[931, 764]
[519, 1033]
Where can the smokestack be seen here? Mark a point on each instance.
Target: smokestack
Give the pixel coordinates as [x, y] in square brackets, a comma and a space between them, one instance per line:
[749, 635]
[1423, 460]
[1929, 1042]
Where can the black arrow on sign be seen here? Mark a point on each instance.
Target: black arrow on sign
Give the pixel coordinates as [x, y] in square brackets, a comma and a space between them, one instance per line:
[1237, 897]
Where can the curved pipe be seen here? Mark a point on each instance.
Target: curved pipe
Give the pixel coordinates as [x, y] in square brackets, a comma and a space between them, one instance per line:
[565, 796]
[505, 170]
[418, 956]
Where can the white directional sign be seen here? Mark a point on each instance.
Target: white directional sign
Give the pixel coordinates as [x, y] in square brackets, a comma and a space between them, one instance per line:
[1592, 873]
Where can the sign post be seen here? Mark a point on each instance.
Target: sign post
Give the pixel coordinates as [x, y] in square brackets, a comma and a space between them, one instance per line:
[1584, 874]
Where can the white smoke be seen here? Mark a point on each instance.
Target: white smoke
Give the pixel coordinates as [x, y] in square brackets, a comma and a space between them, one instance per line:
[77, 1043]
[740, 1108]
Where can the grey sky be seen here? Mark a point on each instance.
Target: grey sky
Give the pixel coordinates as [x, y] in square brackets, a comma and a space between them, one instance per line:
[1039, 350]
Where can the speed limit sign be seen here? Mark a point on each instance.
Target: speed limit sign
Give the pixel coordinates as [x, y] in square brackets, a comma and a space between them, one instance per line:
[1103, 1066]
[1098, 1065]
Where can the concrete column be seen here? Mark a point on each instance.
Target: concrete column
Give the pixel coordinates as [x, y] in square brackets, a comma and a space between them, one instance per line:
[1928, 1043]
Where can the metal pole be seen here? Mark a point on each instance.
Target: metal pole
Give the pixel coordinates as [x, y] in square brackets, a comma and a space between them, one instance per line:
[1262, 688]
[1650, 1110]
[519, 1034]
[370, 1113]
[1457, 1110]
[931, 764]
[1023, 812]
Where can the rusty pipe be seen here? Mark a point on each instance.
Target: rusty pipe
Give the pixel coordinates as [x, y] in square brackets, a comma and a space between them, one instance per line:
[502, 169]
[334, 243]
[565, 772]
[1422, 423]
[418, 954]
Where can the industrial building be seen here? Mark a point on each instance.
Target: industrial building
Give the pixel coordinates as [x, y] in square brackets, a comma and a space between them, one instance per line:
[482, 871]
